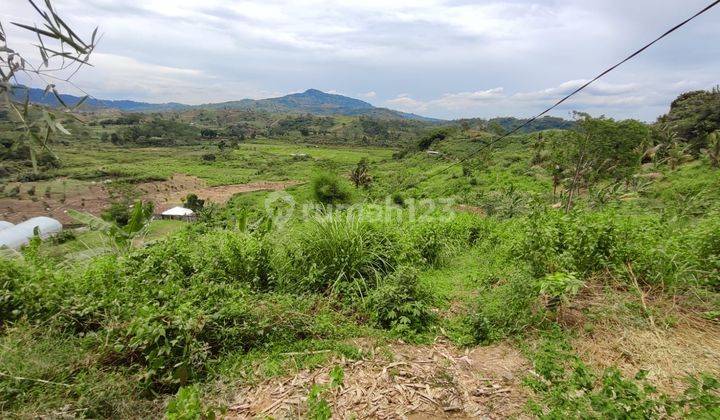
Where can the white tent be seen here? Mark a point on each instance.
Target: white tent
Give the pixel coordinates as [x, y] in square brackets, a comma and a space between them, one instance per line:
[5, 225]
[16, 236]
[178, 213]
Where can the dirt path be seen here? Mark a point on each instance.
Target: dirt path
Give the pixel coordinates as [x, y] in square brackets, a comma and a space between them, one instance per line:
[402, 381]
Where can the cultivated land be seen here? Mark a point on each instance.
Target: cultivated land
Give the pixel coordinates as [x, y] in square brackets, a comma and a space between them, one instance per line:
[551, 285]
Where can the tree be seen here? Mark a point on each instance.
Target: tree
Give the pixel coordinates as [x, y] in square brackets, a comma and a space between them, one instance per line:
[208, 133]
[193, 203]
[360, 176]
[62, 54]
[694, 115]
[434, 136]
[597, 149]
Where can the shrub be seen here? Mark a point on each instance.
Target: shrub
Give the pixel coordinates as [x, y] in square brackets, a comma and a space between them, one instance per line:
[12, 276]
[118, 212]
[506, 307]
[586, 243]
[559, 287]
[330, 189]
[400, 304]
[192, 202]
[187, 406]
[707, 239]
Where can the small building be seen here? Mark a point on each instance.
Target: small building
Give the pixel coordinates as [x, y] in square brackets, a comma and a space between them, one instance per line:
[434, 153]
[14, 237]
[178, 213]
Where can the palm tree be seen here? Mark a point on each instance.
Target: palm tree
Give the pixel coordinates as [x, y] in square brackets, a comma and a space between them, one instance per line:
[677, 155]
[360, 176]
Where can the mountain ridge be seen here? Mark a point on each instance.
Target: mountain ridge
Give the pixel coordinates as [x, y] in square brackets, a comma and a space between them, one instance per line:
[311, 101]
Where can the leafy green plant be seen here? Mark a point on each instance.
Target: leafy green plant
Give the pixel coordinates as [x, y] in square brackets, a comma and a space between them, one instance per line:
[400, 303]
[187, 405]
[62, 54]
[360, 176]
[559, 287]
[318, 406]
[567, 388]
[506, 307]
[120, 236]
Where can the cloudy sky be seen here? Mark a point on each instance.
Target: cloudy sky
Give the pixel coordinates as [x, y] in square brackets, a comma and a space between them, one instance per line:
[440, 58]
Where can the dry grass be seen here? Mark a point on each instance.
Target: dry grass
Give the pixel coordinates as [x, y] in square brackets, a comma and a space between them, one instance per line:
[639, 329]
[402, 381]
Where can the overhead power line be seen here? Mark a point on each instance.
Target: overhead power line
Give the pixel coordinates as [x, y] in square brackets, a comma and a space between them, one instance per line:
[556, 104]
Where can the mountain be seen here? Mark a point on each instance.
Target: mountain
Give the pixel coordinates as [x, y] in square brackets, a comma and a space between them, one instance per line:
[38, 96]
[312, 101]
[316, 102]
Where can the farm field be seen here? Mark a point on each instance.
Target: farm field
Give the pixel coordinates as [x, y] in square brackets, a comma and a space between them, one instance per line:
[85, 182]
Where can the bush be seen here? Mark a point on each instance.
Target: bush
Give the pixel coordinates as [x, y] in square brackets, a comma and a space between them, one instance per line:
[506, 307]
[707, 239]
[587, 243]
[400, 304]
[331, 189]
[187, 406]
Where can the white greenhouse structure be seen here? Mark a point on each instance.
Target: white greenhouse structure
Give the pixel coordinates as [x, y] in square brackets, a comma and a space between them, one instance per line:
[5, 225]
[18, 235]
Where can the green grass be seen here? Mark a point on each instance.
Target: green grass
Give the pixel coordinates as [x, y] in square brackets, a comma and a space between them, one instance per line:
[250, 162]
[216, 303]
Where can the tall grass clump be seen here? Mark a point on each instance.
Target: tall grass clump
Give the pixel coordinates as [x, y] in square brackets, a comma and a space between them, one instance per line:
[342, 254]
[329, 188]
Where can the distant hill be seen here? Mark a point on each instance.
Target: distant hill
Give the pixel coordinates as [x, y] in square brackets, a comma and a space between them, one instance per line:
[316, 102]
[38, 96]
[312, 101]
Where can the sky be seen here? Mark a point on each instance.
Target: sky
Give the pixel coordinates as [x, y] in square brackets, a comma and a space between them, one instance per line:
[439, 58]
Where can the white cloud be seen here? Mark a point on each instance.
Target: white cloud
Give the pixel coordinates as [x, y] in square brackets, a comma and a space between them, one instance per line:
[446, 56]
[368, 95]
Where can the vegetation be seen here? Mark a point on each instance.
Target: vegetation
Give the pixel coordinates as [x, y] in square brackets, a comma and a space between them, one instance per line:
[536, 243]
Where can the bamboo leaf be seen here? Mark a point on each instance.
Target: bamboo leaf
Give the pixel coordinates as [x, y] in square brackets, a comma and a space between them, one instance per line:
[80, 102]
[62, 129]
[57, 96]
[36, 30]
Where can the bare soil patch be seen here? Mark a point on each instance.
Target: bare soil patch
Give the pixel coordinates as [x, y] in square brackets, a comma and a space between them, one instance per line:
[170, 193]
[415, 382]
[94, 198]
[91, 198]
